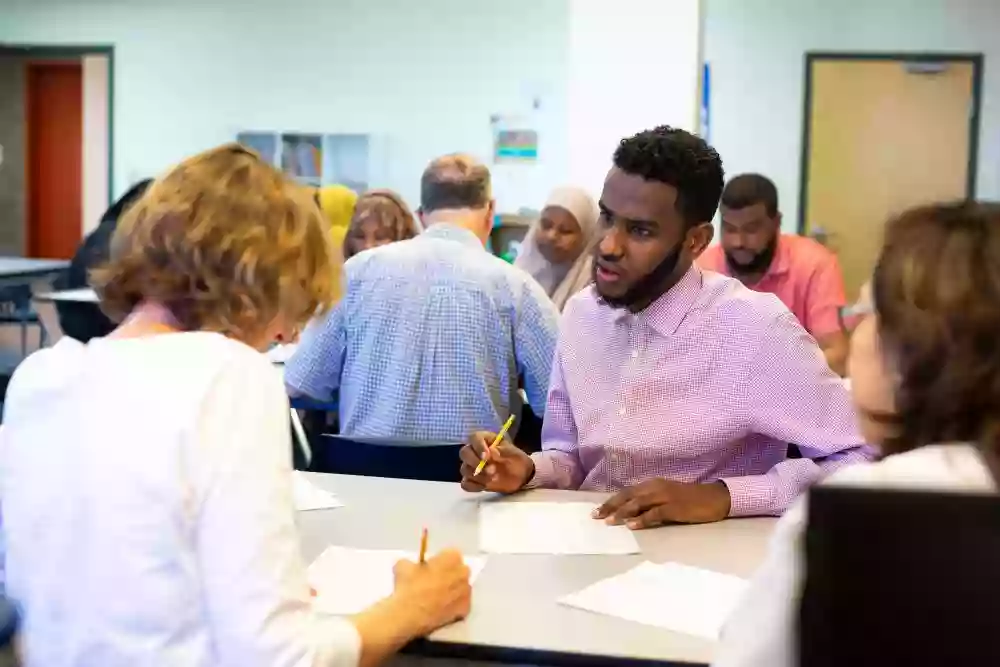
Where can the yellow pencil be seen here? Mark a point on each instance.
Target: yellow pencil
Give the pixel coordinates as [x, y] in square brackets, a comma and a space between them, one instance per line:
[496, 441]
[423, 547]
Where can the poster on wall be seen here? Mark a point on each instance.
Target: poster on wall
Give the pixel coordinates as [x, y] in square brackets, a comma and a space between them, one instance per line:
[264, 144]
[302, 157]
[515, 139]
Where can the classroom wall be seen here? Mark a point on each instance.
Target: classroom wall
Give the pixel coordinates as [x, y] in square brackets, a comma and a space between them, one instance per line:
[96, 80]
[634, 64]
[425, 77]
[756, 51]
[12, 143]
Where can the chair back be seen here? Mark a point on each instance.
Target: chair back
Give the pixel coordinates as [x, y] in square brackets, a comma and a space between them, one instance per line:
[901, 578]
[387, 457]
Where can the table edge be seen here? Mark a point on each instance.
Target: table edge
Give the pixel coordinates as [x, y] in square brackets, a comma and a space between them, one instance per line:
[435, 648]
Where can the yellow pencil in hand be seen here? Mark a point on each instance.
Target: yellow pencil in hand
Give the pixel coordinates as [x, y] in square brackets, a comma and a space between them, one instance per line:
[496, 441]
[423, 547]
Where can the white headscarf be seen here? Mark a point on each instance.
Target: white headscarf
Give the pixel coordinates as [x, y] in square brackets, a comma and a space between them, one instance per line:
[561, 281]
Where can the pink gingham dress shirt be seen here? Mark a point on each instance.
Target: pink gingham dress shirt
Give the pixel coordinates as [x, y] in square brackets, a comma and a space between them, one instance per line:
[710, 382]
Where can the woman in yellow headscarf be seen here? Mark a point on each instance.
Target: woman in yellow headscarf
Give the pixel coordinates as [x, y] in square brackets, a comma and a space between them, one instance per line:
[337, 202]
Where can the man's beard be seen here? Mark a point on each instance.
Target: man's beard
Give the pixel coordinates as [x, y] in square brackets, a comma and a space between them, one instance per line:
[648, 288]
[760, 262]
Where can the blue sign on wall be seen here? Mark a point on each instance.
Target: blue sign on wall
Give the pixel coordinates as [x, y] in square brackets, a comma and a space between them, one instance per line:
[706, 96]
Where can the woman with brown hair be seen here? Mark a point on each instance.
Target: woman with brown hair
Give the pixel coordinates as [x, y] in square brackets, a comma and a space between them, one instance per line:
[380, 217]
[925, 374]
[147, 481]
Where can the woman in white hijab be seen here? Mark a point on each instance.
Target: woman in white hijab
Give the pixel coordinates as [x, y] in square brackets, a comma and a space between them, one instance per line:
[556, 250]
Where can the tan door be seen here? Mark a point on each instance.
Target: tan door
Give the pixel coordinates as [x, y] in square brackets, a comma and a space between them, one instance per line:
[884, 135]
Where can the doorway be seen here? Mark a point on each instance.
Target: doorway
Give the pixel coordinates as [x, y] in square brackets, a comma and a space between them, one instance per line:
[883, 133]
[54, 116]
[56, 127]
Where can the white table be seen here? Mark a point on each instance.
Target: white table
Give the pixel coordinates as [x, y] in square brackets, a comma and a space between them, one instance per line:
[20, 270]
[83, 295]
[515, 615]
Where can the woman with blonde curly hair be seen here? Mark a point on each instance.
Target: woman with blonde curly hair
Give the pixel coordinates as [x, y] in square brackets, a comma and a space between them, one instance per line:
[147, 475]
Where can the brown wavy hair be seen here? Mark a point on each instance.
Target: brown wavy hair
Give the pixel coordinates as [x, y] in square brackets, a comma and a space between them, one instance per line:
[391, 212]
[227, 243]
[936, 291]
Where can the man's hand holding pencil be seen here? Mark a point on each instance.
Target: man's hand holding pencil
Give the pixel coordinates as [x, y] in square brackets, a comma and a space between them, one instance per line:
[501, 468]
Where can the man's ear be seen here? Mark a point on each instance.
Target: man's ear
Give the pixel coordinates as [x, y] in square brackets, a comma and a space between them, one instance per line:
[698, 238]
[490, 215]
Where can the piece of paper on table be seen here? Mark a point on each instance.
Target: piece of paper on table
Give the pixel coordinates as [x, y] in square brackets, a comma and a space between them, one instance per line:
[348, 581]
[308, 496]
[280, 354]
[550, 528]
[670, 596]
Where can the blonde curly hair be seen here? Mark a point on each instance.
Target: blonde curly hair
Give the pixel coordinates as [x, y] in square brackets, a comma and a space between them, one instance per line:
[227, 243]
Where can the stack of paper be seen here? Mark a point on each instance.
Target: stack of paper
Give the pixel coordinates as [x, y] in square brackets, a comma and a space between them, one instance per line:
[670, 596]
[550, 528]
[348, 581]
[308, 496]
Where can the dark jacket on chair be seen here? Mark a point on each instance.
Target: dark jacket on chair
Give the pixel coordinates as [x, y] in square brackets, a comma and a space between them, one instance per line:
[84, 321]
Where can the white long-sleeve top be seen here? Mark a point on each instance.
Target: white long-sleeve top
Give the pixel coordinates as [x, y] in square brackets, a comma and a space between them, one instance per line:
[761, 631]
[147, 508]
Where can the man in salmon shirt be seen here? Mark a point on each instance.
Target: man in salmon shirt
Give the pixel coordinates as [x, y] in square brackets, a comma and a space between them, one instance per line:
[796, 269]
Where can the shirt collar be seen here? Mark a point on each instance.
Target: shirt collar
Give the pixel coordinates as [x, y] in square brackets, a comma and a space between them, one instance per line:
[450, 232]
[668, 311]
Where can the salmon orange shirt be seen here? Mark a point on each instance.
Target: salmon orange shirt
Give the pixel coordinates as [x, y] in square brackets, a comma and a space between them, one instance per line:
[804, 275]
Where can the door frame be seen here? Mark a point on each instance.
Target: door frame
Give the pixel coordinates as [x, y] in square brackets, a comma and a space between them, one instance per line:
[975, 59]
[77, 51]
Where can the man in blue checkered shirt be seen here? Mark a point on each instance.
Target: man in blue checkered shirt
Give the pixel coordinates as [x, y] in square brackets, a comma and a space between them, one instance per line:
[433, 333]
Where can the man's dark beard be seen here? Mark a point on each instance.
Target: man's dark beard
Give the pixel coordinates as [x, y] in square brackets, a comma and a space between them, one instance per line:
[649, 288]
[760, 263]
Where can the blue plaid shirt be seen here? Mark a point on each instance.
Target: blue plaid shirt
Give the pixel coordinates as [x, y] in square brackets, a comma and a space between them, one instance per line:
[429, 340]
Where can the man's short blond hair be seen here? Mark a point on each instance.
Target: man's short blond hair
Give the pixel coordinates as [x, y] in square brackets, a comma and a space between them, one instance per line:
[227, 243]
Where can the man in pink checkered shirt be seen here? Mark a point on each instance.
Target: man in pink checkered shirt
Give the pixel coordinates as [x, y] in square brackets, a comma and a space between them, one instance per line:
[679, 390]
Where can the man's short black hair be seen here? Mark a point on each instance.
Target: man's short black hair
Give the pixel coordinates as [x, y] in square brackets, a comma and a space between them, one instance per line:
[679, 159]
[749, 189]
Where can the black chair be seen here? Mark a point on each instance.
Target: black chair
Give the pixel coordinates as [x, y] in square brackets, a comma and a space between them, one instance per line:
[900, 579]
[387, 457]
[16, 308]
[8, 629]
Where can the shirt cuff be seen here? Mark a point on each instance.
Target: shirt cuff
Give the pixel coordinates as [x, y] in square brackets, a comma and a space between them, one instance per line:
[554, 469]
[338, 643]
[753, 495]
[543, 472]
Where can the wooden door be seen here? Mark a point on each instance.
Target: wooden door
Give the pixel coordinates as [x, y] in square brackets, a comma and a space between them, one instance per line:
[54, 158]
[884, 135]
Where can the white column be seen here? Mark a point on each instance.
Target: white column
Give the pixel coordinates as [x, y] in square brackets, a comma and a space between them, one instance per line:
[96, 140]
[633, 65]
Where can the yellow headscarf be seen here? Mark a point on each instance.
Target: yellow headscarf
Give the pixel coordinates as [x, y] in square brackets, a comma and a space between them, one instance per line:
[337, 202]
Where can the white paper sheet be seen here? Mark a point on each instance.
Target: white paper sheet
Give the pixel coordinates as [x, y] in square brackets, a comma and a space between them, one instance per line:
[550, 528]
[671, 596]
[348, 581]
[280, 354]
[308, 496]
